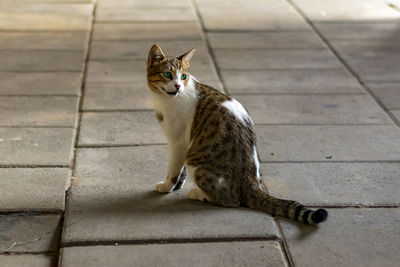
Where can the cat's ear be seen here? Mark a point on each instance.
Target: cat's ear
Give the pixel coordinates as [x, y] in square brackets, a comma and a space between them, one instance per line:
[155, 54]
[187, 56]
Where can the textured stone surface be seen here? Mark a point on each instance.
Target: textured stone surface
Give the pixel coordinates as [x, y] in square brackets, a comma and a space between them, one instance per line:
[26, 260]
[257, 253]
[119, 128]
[291, 81]
[132, 14]
[254, 15]
[350, 237]
[147, 31]
[334, 183]
[45, 83]
[313, 109]
[35, 146]
[387, 93]
[267, 40]
[38, 111]
[328, 143]
[29, 233]
[275, 59]
[33, 189]
[396, 113]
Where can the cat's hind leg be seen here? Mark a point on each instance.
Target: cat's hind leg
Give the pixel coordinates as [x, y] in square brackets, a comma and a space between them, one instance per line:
[198, 194]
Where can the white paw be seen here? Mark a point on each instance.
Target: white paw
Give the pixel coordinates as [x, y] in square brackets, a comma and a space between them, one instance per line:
[163, 188]
[198, 194]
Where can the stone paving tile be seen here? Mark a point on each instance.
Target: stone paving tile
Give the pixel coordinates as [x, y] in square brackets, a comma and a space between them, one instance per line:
[387, 93]
[138, 50]
[336, 184]
[116, 14]
[328, 143]
[306, 81]
[250, 15]
[145, 4]
[44, 16]
[31, 233]
[118, 128]
[44, 83]
[396, 113]
[344, 10]
[26, 260]
[313, 109]
[360, 31]
[38, 111]
[147, 31]
[257, 253]
[43, 40]
[35, 146]
[265, 40]
[41, 60]
[114, 198]
[33, 189]
[350, 237]
[275, 59]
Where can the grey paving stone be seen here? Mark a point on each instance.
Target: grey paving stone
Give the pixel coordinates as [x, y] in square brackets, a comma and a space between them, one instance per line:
[116, 14]
[33, 189]
[38, 111]
[344, 10]
[328, 143]
[250, 15]
[44, 83]
[313, 109]
[26, 260]
[29, 233]
[147, 31]
[44, 16]
[396, 113]
[334, 184]
[387, 93]
[360, 31]
[265, 40]
[146, 4]
[275, 59]
[138, 50]
[311, 81]
[114, 198]
[350, 237]
[41, 60]
[117, 128]
[35, 146]
[43, 40]
[201, 254]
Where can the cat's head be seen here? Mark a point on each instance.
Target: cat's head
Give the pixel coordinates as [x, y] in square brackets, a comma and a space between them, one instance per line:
[165, 75]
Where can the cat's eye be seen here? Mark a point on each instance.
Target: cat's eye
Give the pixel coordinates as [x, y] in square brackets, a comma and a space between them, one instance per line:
[183, 77]
[167, 74]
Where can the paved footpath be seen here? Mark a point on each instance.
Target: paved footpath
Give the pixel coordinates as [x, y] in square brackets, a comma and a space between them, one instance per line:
[81, 150]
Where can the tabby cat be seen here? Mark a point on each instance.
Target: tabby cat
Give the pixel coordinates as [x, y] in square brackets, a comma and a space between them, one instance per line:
[212, 137]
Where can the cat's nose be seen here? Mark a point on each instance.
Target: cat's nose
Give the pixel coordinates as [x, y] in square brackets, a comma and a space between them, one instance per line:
[177, 86]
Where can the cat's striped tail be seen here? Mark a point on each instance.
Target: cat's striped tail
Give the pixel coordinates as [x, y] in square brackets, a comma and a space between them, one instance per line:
[260, 200]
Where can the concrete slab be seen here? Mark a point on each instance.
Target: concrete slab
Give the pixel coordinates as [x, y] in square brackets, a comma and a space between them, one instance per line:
[387, 93]
[38, 111]
[211, 254]
[265, 40]
[120, 128]
[343, 10]
[254, 15]
[275, 59]
[44, 16]
[146, 31]
[26, 260]
[305, 81]
[328, 143]
[44, 83]
[43, 40]
[313, 109]
[350, 237]
[116, 14]
[336, 184]
[35, 146]
[29, 233]
[396, 113]
[145, 4]
[33, 189]
[138, 50]
[41, 60]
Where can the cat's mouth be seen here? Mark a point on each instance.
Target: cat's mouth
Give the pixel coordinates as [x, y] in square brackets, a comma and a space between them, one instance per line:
[170, 93]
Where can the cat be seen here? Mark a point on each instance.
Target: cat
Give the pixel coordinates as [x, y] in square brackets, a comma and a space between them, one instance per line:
[212, 138]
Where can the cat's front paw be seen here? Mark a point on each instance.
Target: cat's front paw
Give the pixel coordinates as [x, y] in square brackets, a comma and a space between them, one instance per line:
[162, 187]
